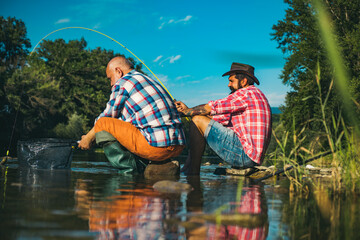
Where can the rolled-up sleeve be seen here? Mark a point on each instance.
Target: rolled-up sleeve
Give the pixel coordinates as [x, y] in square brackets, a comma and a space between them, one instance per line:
[222, 109]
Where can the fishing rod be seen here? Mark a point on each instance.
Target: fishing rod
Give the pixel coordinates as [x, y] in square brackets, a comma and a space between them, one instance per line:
[103, 34]
[291, 167]
[3, 161]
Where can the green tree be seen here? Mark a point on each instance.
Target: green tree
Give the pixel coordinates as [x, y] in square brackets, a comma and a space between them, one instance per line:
[299, 39]
[14, 47]
[61, 79]
[74, 129]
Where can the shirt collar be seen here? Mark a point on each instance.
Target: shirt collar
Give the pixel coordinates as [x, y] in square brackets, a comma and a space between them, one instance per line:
[129, 73]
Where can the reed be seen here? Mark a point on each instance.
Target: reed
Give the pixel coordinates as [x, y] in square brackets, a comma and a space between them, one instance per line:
[336, 59]
[336, 134]
[343, 141]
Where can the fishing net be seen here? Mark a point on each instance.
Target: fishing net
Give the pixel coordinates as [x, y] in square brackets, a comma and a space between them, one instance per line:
[45, 153]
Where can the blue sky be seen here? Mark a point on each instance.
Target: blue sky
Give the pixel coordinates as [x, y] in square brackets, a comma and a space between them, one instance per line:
[187, 44]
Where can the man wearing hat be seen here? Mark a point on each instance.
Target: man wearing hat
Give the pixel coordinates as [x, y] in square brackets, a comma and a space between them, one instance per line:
[237, 127]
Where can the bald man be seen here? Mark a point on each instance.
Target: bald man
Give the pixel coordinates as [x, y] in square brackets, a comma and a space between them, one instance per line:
[140, 114]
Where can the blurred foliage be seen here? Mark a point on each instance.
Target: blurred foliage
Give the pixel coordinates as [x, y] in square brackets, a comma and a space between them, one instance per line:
[299, 38]
[76, 126]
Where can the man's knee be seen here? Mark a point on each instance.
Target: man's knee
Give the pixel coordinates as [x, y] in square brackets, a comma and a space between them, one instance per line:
[99, 125]
[201, 122]
[200, 119]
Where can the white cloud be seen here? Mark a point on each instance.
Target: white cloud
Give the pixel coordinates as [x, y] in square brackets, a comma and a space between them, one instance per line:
[174, 58]
[172, 21]
[171, 59]
[97, 26]
[161, 26]
[163, 78]
[192, 82]
[158, 58]
[186, 19]
[182, 77]
[63, 20]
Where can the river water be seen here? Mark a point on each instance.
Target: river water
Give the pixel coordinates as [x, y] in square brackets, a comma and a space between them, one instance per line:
[92, 201]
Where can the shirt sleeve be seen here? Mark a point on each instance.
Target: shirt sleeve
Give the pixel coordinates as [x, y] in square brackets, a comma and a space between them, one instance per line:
[233, 103]
[223, 119]
[115, 104]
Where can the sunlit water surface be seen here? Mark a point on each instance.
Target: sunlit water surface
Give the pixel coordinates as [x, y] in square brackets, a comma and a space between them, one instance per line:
[93, 201]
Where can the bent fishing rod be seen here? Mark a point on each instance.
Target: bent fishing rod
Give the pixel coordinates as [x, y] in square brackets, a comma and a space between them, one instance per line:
[92, 30]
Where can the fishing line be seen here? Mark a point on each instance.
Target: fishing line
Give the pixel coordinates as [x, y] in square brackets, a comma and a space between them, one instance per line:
[103, 34]
[92, 30]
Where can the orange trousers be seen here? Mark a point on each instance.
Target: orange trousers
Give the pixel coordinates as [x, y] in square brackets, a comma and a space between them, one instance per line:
[131, 138]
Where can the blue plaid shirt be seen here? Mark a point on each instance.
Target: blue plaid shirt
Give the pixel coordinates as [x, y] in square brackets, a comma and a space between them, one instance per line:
[143, 102]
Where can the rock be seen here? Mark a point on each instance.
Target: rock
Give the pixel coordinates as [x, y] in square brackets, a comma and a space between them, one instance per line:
[259, 174]
[157, 169]
[263, 168]
[166, 186]
[243, 172]
[326, 171]
[240, 172]
[309, 166]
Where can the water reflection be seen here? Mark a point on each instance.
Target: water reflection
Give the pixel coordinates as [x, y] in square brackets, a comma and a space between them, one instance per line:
[253, 209]
[246, 219]
[132, 213]
[40, 187]
[131, 209]
[92, 201]
[35, 203]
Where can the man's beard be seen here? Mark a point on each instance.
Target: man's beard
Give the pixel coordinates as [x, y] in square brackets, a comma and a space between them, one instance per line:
[232, 90]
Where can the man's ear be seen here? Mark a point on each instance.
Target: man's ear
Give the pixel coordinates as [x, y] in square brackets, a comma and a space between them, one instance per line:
[119, 71]
[244, 81]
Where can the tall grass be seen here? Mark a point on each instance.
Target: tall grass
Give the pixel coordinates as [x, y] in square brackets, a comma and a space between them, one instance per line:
[342, 139]
[346, 159]
[335, 134]
[283, 157]
[336, 59]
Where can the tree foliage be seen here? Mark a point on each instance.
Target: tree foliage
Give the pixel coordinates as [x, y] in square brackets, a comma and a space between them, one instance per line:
[299, 38]
[74, 129]
[14, 47]
[60, 79]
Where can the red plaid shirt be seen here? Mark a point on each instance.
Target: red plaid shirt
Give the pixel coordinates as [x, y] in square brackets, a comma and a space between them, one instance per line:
[247, 112]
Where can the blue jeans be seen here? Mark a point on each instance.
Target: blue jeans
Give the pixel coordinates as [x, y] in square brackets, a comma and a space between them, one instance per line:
[227, 145]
